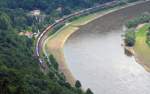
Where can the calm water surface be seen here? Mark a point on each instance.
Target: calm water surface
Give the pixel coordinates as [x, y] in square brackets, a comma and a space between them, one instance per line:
[95, 56]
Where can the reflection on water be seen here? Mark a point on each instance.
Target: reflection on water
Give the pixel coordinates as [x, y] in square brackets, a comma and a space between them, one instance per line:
[96, 57]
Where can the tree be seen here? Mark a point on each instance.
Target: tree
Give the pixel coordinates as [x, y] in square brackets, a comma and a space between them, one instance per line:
[143, 18]
[148, 36]
[89, 91]
[148, 33]
[130, 38]
[149, 29]
[78, 84]
[4, 89]
[53, 62]
[4, 21]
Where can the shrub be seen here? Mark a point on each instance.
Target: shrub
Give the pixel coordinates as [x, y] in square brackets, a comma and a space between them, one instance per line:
[144, 18]
[130, 38]
[53, 62]
[148, 37]
[78, 84]
[89, 91]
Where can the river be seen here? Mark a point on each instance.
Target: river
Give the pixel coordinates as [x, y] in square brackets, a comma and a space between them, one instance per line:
[95, 56]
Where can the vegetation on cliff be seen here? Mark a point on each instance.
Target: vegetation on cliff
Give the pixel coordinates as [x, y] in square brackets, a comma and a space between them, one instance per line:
[148, 37]
[19, 69]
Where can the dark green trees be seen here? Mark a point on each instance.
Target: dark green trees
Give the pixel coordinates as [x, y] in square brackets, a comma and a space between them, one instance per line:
[53, 62]
[148, 37]
[19, 69]
[4, 21]
[144, 18]
[130, 38]
[78, 84]
[89, 91]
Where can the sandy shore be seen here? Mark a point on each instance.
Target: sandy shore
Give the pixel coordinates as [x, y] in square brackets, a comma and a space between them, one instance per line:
[137, 59]
[55, 47]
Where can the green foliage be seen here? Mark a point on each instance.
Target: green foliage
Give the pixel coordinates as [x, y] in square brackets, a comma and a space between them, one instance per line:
[4, 21]
[19, 69]
[89, 91]
[130, 38]
[49, 5]
[144, 18]
[53, 62]
[20, 73]
[56, 29]
[78, 84]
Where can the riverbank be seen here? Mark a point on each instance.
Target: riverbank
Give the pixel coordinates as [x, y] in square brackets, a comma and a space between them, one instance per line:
[54, 44]
[141, 51]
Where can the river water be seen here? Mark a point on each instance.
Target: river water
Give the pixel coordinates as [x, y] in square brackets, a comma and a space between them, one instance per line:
[95, 56]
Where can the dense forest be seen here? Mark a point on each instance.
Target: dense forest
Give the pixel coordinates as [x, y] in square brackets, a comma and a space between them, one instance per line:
[19, 11]
[19, 69]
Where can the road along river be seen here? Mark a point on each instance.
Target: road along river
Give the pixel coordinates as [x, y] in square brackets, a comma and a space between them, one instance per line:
[95, 56]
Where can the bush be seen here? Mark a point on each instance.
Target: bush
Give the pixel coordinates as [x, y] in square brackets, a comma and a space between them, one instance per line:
[4, 21]
[144, 18]
[53, 62]
[89, 91]
[78, 84]
[130, 38]
[148, 37]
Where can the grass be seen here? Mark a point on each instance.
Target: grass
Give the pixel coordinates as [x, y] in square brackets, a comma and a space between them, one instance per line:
[141, 47]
